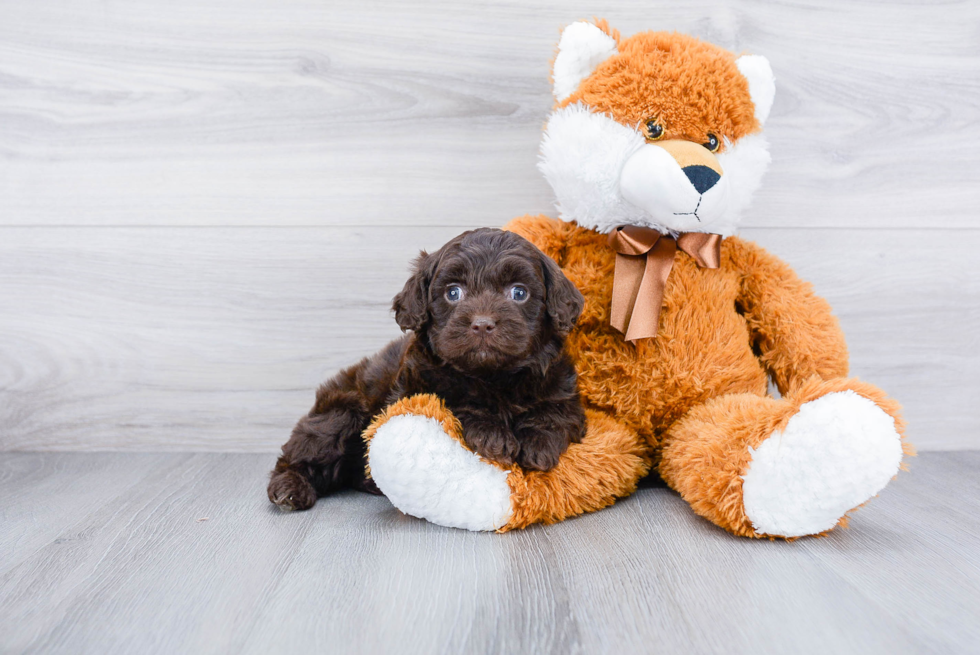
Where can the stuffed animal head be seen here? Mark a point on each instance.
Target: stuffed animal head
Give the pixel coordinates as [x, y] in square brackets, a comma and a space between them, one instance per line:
[659, 130]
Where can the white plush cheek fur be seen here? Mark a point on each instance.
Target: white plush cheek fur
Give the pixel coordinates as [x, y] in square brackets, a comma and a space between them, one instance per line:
[605, 174]
[582, 156]
[652, 180]
[743, 163]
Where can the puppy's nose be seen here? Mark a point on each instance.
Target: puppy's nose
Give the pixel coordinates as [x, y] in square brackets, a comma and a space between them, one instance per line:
[702, 177]
[482, 324]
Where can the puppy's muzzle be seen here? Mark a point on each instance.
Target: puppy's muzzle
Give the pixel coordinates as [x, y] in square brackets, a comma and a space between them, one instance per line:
[482, 324]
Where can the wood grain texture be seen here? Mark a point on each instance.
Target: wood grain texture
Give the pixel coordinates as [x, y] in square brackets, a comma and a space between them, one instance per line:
[296, 112]
[205, 207]
[136, 569]
[215, 339]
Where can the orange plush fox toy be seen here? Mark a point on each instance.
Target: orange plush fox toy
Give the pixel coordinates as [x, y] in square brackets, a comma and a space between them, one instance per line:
[654, 149]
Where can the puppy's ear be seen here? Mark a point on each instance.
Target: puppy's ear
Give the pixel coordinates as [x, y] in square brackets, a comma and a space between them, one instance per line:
[564, 301]
[411, 305]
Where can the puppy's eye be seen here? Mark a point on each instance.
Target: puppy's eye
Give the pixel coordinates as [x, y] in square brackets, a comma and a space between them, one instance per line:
[712, 143]
[454, 293]
[518, 293]
[654, 130]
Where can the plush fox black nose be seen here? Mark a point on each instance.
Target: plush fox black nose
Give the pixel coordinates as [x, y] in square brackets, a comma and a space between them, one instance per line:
[482, 324]
[702, 177]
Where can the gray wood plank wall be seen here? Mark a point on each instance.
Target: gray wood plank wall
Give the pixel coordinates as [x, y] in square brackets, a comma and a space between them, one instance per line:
[205, 207]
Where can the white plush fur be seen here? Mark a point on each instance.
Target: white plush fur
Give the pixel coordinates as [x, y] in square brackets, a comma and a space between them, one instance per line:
[582, 156]
[582, 47]
[653, 181]
[744, 164]
[605, 174]
[762, 84]
[836, 453]
[426, 473]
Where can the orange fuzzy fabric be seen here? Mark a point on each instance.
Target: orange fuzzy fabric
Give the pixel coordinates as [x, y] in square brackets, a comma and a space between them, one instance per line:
[689, 87]
[711, 323]
[696, 394]
[707, 452]
[591, 475]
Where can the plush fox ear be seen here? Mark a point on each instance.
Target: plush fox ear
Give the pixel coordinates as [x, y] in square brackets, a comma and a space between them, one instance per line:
[582, 47]
[762, 85]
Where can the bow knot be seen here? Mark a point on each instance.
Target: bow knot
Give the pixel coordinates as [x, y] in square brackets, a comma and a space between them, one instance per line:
[644, 258]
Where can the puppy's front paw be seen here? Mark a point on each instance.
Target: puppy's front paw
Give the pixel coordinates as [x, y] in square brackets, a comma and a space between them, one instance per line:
[289, 490]
[537, 458]
[496, 443]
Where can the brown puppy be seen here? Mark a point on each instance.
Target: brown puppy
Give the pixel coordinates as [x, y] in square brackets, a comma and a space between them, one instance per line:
[488, 313]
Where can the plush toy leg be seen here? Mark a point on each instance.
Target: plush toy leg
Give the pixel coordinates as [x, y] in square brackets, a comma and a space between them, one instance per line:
[761, 467]
[417, 457]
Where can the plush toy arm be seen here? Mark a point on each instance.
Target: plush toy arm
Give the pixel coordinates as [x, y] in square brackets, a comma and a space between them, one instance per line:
[417, 457]
[550, 235]
[793, 328]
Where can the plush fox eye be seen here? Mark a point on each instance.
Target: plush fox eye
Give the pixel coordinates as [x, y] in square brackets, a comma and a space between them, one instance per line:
[518, 293]
[654, 130]
[712, 143]
[454, 293]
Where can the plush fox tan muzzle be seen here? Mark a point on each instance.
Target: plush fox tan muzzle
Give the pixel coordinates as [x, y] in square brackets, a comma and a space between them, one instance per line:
[698, 163]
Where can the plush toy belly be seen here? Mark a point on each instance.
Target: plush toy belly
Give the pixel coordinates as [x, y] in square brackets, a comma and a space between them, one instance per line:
[703, 349]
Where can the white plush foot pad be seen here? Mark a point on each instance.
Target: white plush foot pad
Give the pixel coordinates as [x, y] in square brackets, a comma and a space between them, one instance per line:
[835, 453]
[426, 473]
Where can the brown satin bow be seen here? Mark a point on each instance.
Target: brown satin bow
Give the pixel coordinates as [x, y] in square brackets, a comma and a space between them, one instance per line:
[644, 258]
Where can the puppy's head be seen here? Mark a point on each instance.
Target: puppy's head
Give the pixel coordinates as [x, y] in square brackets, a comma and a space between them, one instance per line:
[488, 300]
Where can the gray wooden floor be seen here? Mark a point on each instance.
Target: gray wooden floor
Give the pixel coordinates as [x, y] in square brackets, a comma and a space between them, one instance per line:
[181, 553]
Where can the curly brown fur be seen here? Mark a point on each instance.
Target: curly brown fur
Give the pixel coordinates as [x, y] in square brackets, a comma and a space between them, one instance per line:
[325, 451]
[488, 314]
